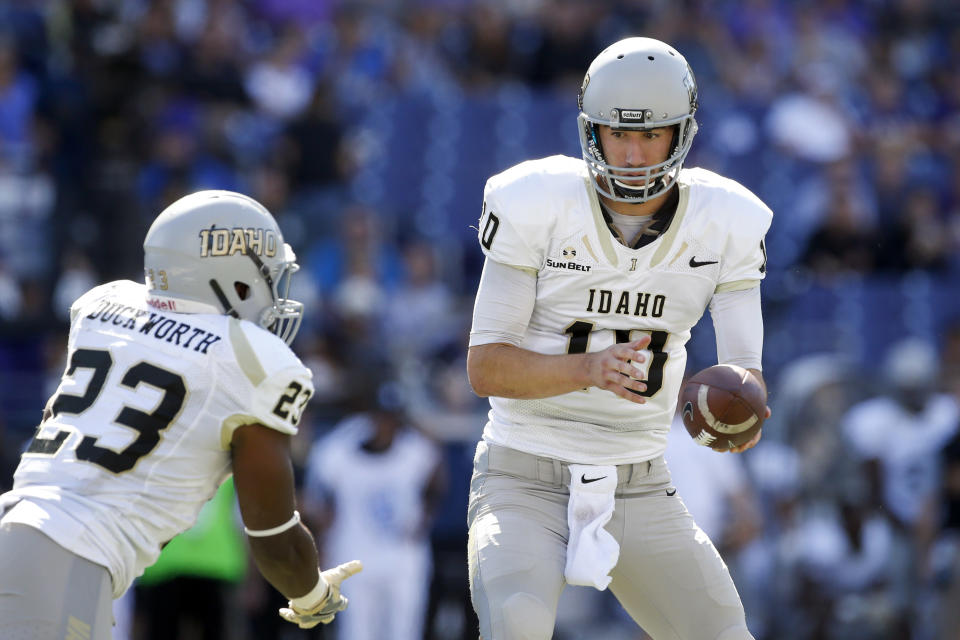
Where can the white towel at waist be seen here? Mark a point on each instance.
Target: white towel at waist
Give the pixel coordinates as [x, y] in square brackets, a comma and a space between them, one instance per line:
[591, 551]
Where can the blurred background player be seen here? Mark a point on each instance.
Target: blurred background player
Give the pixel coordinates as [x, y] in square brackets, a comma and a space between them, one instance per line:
[170, 387]
[897, 435]
[374, 484]
[897, 438]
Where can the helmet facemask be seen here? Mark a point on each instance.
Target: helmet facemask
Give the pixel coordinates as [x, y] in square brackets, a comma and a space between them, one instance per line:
[653, 180]
[281, 316]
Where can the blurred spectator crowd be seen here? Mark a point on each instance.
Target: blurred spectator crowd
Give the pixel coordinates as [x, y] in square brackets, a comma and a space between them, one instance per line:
[368, 129]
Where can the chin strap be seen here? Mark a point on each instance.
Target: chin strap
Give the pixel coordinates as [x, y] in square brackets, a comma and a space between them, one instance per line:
[264, 271]
[221, 296]
[648, 192]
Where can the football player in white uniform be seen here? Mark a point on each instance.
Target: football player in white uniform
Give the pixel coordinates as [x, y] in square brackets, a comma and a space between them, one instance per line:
[596, 271]
[169, 387]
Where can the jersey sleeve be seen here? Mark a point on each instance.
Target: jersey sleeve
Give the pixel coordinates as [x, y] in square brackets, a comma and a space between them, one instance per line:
[265, 380]
[744, 262]
[503, 306]
[738, 325]
[513, 224]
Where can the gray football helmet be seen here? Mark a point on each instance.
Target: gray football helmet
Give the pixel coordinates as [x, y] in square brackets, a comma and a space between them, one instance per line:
[637, 83]
[222, 252]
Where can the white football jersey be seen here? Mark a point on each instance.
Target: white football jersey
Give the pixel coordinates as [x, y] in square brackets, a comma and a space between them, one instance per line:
[906, 444]
[378, 496]
[544, 216]
[141, 424]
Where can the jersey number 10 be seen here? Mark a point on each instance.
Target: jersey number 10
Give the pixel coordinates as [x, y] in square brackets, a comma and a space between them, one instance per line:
[579, 332]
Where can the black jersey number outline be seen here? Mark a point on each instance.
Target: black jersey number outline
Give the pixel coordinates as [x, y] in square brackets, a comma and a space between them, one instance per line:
[489, 229]
[148, 425]
[285, 408]
[579, 339]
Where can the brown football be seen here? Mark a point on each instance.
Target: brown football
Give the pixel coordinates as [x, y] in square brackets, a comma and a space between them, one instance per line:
[722, 406]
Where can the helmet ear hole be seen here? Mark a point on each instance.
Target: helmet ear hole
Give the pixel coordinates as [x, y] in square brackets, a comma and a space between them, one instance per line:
[242, 289]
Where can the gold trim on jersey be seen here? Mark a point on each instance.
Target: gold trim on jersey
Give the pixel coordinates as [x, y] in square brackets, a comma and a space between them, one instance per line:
[739, 285]
[676, 256]
[230, 425]
[246, 356]
[603, 231]
[589, 248]
[668, 236]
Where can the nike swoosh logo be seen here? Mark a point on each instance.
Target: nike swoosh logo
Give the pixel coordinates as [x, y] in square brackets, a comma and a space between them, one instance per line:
[670, 493]
[696, 263]
[585, 480]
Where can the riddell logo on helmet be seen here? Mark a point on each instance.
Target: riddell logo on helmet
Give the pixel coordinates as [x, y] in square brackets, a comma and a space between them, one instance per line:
[162, 304]
[229, 242]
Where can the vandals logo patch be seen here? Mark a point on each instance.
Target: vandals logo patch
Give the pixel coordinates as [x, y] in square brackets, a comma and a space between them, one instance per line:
[566, 259]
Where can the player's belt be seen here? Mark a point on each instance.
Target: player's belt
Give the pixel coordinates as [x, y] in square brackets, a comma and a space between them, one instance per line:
[509, 461]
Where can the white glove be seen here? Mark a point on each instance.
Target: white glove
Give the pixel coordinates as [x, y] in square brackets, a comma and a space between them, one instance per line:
[324, 601]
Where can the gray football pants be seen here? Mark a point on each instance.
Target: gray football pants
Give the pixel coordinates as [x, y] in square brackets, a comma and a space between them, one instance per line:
[669, 576]
[48, 593]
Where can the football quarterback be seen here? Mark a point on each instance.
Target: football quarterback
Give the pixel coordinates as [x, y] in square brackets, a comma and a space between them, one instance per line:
[170, 386]
[597, 268]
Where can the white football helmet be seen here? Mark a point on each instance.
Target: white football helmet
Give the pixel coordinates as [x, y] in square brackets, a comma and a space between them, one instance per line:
[222, 252]
[637, 83]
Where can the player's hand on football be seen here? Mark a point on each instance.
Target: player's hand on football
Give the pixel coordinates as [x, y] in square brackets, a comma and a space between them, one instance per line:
[753, 441]
[331, 602]
[614, 369]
